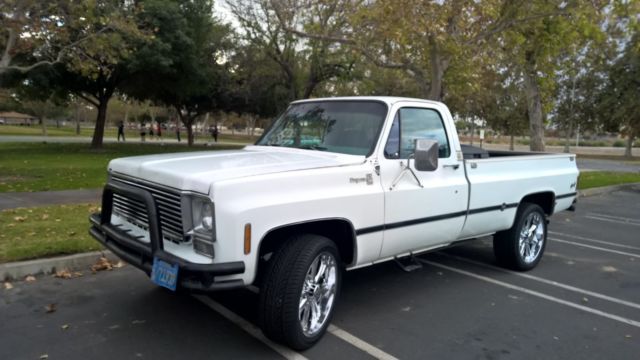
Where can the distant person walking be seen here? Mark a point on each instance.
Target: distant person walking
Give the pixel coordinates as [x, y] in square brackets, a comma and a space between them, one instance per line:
[214, 132]
[151, 131]
[121, 131]
[159, 131]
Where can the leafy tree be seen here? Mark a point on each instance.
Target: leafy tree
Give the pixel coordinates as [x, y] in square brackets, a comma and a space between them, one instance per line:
[304, 65]
[535, 46]
[93, 70]
[8, 101]
[33, 93]
[186, 59]
[619, 98]
[40, 33]
[578, 86]
[256, 89]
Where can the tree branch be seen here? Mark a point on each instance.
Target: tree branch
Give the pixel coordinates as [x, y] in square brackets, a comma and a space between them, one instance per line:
[87, 99]
[6, 57]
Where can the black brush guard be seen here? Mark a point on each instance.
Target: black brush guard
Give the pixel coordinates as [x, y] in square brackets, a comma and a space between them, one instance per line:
[192, 276]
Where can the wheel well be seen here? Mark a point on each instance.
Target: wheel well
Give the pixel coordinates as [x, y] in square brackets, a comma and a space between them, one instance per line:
[340, 231]
[546, 200]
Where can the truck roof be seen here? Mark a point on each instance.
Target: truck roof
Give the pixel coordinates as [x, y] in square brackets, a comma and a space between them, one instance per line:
[389, 100]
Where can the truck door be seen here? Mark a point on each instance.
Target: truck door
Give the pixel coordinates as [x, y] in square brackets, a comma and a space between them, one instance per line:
[427, 209]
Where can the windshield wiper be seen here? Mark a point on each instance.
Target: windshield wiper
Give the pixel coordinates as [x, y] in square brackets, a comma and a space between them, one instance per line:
[312, 147]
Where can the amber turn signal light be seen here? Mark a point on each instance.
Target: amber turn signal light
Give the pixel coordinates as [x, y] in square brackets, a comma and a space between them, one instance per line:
[247, 238]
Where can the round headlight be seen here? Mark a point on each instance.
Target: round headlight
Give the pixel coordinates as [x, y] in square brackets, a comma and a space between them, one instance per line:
[207, 216]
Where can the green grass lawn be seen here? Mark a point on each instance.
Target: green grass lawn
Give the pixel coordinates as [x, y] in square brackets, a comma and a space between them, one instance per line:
[51, 166]
[45, 231]
[592, 179]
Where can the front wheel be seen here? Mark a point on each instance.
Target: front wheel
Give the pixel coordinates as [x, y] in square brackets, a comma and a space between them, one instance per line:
[299, 292]
[521, 247]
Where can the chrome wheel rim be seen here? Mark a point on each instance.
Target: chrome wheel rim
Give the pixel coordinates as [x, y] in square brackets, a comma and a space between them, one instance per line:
[318, 294]
[531, 237]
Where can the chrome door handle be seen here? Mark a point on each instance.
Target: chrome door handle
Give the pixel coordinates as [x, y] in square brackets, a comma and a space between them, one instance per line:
[454, 167]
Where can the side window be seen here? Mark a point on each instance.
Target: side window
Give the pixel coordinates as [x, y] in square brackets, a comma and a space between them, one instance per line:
[411, 124]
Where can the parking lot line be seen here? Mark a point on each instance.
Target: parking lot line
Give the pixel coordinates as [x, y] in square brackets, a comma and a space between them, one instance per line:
[536, 293]
[547, 281]
[596, 247]
[595, 240]
[346, 336]
[360, 344]
[249, 328]
[620, 218]
[611, 220]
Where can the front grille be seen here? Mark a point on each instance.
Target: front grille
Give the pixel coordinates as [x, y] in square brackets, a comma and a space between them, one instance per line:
[169, 209]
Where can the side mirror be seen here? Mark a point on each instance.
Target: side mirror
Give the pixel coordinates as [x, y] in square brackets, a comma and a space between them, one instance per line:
[426, 155]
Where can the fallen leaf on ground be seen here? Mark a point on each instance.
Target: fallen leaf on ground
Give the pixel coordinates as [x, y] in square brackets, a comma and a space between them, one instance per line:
[20, 218]
[45, 216]
[138, 322]
[50, 308]
[44, 356]
[30, 278]
[8, 286]
[66, 274]
[65, 326]
[102, 264]
[118, 265]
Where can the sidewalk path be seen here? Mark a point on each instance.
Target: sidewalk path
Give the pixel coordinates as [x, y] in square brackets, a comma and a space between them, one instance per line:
[608, 165]
[86, 139]
[11, 200]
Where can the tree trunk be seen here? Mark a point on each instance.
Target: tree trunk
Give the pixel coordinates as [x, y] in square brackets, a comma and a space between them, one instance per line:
[534, 110]
[511, 141]
[567, 136]
[188, 123]
[190, 137]
[77, 118]
[439, 65]
[98, 132]
[44, 126]
[308, 90]
[569, 131]
[629, 147]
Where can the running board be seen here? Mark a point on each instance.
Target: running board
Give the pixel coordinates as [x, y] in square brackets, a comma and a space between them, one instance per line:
[408, 263]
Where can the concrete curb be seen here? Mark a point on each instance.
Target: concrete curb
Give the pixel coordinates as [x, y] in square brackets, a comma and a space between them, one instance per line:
[607, 189]
[19, 270]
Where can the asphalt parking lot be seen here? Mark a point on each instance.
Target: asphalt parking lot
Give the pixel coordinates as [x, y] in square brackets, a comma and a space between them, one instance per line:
[581, 302]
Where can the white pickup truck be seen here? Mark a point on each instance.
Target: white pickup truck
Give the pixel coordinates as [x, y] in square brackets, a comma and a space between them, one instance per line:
[334, 184]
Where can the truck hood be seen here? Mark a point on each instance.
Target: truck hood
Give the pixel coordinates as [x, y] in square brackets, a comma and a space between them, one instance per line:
[196, 171]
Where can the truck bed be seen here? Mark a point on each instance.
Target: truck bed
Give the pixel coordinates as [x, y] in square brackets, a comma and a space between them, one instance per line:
[474, 152]
[504, 178]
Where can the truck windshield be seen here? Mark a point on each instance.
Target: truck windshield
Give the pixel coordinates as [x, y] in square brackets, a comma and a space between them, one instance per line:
[348, 127]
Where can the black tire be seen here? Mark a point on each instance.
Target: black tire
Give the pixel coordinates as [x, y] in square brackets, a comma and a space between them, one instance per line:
[281, 290]
[506, 243]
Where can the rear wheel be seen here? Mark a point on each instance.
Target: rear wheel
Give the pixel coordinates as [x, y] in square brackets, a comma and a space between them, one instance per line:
[521, 247]
[299, 292]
